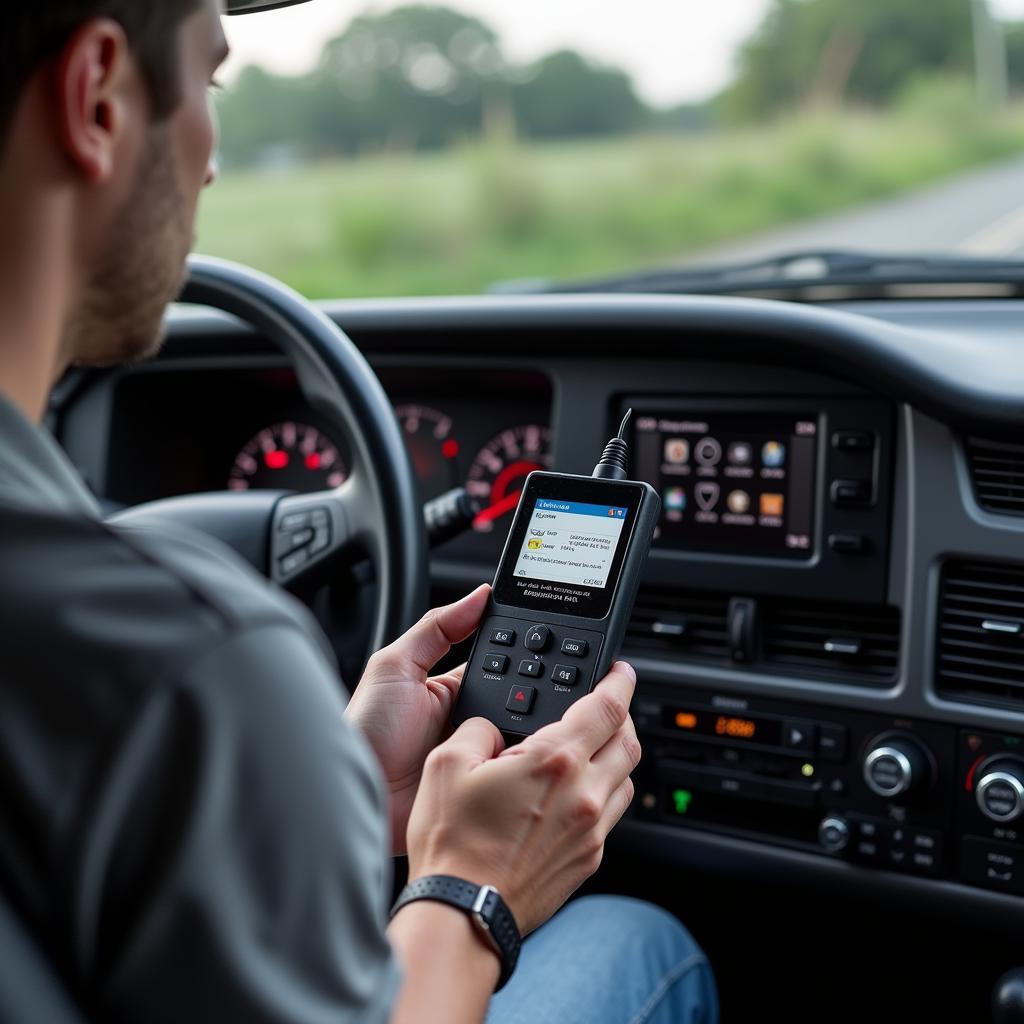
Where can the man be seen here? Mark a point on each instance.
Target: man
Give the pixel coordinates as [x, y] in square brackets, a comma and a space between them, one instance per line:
[193, 826]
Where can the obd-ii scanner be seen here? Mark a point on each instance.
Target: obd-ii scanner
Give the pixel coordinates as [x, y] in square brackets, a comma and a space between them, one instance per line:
[562, 596]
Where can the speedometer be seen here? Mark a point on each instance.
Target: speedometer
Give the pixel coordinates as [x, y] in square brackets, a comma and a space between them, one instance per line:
[290, 456]
[501, 467]
[433, 449]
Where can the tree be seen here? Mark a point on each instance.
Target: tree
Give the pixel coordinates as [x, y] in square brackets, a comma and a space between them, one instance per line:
[564, 95]
[835, 50]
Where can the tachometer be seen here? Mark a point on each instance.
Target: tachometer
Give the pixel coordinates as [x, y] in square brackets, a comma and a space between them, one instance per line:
[432, 448]
[291, 456]
[501, 467]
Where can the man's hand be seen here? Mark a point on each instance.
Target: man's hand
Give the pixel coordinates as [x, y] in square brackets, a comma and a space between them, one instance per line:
[531, 819]
[404, 711]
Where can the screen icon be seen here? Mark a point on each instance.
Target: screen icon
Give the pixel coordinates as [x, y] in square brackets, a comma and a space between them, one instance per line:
[677, 450]
[706, 493]
[708, 451]
[740, 453]
[773, 454]
[675, 499]
[535, 543]
[772, 505]
[738, 502]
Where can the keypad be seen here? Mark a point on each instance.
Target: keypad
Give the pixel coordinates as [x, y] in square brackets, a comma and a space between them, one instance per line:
[556, 666]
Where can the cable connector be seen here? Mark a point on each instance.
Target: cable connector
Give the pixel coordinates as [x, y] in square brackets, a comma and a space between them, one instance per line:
[615, 459]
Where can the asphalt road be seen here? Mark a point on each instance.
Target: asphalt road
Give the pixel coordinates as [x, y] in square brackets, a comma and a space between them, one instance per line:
[981, 212]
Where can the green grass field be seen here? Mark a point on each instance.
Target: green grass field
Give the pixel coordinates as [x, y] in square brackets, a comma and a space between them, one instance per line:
[457, 221]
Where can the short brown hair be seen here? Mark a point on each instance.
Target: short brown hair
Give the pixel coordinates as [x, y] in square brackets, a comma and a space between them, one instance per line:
[32, 31]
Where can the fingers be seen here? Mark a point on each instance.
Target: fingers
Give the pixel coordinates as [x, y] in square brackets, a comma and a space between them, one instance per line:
[593, 720]
[431, 638]
[615, 761]
[473, 743]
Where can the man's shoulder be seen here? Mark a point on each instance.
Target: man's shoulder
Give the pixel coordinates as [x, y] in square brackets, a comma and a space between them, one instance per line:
[127, 599]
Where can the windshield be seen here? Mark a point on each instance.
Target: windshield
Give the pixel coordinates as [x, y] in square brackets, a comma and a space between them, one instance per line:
[415, 150]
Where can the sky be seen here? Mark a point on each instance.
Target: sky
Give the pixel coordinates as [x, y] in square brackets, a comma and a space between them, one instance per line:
[675, 50]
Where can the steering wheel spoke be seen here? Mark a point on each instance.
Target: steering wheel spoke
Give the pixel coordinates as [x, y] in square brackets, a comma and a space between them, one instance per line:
[311, 532]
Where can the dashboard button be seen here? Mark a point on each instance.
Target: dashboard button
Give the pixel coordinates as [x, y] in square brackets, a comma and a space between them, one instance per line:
[496, 663]
[853, 440]
[993, 865]
[832, 742]
[520, 699]
[528, 667]
[537, 638]
[505, 637]
[575, 648]
[798, 735]
[848, 543]
[850, 493]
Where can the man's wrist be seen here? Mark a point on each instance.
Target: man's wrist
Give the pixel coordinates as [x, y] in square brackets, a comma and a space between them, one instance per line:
[430, 931]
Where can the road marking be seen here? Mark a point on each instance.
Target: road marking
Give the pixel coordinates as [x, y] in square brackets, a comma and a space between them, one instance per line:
[1002, 236]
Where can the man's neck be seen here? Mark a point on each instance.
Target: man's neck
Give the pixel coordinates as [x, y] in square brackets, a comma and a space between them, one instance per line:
[34, 297]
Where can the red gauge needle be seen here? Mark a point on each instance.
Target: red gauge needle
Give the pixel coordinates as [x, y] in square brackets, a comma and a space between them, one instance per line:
[498, 509]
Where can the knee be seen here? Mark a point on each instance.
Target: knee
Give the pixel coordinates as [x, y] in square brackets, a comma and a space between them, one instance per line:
[634, 922]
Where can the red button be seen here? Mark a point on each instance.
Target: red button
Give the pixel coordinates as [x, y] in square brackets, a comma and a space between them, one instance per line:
[520, 699]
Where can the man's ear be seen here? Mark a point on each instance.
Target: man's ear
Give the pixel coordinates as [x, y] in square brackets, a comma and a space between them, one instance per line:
[94, 72]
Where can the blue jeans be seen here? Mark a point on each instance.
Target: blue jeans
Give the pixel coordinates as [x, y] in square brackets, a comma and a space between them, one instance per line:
[609, 960]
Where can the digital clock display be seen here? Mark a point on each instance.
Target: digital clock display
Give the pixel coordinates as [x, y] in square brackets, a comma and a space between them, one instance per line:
[705, 722]
[737, 728]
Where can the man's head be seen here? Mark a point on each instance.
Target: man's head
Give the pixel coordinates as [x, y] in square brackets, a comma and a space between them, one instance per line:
[105, 124]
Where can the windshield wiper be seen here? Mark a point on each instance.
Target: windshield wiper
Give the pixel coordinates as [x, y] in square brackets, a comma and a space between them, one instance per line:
[812, 275]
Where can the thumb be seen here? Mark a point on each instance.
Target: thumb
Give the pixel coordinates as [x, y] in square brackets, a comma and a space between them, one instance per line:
[474, 742]
[432, 637]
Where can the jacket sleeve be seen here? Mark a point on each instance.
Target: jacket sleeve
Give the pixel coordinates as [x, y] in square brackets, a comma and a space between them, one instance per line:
[236, 865]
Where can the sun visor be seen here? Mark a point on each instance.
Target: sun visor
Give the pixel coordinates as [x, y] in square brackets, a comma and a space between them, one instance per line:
[253, 6]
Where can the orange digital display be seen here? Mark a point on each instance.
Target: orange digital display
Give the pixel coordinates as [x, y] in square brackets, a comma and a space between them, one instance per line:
[738, 728]
[686, 720]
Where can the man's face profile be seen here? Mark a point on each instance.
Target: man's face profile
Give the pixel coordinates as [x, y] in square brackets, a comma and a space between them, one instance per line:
[141, 250]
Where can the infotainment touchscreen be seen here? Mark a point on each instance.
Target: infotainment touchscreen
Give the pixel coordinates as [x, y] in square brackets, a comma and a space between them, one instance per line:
[731, 482]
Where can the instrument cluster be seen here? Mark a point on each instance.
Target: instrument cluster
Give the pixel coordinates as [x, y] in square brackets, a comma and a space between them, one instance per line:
[246, 428]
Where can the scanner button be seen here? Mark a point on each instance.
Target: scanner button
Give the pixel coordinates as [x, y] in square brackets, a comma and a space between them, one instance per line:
[520, 699]
[505, 637]
[495, 663]
[537, 638]
[531, 668]
[565, 674]
[577, 648]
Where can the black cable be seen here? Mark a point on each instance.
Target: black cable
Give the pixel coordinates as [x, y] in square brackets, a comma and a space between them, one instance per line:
[614, 461]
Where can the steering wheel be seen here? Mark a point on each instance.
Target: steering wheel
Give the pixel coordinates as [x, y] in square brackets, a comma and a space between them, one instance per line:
[300, 540]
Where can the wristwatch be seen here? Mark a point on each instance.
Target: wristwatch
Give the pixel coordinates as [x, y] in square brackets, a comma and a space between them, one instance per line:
[486, 909]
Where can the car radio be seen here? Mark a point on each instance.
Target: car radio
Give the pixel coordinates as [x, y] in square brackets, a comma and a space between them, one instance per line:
[883, 792]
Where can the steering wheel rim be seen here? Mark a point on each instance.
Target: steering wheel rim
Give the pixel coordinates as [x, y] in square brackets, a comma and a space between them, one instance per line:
[338, 382]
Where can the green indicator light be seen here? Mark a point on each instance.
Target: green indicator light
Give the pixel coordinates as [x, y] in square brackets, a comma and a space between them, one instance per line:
[1012, 741]
[807, 770]
[681, 798]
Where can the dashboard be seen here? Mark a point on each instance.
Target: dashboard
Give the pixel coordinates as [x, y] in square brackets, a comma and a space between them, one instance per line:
[830, 628]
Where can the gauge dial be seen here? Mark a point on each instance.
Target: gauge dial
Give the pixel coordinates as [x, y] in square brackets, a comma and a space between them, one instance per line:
[432, 448]
[290, 456]
[500, 469]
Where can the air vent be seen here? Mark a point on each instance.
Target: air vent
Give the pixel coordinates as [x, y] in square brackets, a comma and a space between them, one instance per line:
[980, 657]
[851, 643]
[997, 469]
[677, 622]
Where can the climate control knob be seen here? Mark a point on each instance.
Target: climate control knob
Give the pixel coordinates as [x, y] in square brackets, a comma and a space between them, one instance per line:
[1000, 790]
[833, 834]
[894, 766]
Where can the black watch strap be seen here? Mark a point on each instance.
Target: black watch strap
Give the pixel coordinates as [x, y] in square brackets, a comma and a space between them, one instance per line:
[484, 905]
